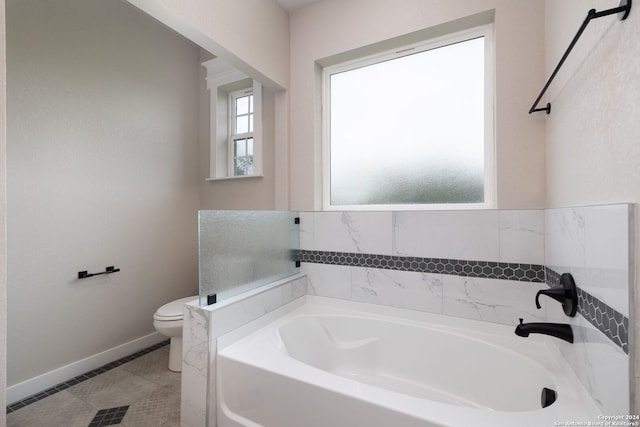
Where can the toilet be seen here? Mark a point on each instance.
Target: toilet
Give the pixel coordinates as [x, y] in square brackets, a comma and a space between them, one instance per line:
[168, 321]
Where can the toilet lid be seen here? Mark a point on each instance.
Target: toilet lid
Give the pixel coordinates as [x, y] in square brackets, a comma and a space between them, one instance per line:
[172, 310]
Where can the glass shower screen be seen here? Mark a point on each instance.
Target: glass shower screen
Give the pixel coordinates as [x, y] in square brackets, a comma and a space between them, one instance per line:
[243, 250]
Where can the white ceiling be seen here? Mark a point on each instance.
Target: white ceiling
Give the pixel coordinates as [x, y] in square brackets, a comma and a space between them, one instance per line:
[291, 5]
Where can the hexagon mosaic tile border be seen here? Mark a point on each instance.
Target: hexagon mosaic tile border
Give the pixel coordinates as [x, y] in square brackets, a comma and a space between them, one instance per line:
[483, 269]
[607, 320]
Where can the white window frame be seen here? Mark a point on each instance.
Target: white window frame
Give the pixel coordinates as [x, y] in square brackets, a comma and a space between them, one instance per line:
[221, 75]
[485, 31]
[233, 132]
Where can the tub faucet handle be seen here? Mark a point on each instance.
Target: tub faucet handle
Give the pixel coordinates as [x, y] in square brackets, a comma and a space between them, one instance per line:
[566, 294]
[557, 293]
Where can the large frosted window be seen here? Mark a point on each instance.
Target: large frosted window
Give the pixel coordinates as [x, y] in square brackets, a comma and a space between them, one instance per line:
[408, 128]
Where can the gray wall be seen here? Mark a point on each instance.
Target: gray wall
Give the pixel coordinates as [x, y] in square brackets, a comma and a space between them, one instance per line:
[3, 237]
[102, 153]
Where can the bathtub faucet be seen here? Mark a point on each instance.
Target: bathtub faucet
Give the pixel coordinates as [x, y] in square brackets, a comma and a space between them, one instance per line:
[558, 330]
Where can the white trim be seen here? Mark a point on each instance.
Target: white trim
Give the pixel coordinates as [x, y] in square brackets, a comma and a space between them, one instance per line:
[227, 178]
[281, 174]
[412, 207]
[49, 379]
[219, 74]
[448, 39]
[490, 180]
[490, 159]
[257, 129]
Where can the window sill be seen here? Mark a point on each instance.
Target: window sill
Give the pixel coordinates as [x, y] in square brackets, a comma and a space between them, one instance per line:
[413, 207]
[227, 178]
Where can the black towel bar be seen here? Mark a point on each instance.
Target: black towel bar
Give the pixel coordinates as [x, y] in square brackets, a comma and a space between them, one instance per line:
[108, 270]
[623, 10]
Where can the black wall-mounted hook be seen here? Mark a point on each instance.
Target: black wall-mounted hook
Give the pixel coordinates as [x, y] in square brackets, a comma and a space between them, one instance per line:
[108, 270]
[566, 294]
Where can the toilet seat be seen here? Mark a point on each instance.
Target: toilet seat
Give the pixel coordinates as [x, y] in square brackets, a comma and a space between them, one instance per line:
[172, 311]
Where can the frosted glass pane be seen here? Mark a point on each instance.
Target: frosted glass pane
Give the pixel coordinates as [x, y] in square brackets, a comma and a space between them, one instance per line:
[410, 130]
[243, 166]
[240, 147]
[243, 250]
[242, 105]
[250, 146]
[242, 124]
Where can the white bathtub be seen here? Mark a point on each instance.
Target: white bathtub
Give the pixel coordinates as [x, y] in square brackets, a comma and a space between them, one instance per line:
[322, 362]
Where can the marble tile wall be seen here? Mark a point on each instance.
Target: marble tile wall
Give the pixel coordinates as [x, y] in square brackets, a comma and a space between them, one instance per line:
[507, 244]
[593, 244]
[201, 329]
[195, 368]
[347, 252]
[515, 236]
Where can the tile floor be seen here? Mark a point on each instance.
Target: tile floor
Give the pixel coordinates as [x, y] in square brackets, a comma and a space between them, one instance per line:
[139, 391]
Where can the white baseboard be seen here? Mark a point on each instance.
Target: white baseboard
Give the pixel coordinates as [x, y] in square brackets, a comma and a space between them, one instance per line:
[47, 380]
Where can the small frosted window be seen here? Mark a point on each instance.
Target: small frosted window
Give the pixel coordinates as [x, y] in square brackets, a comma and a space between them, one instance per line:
[242, 105]
[409, 129]
[241, 138]
[244, 114]
[243, 156]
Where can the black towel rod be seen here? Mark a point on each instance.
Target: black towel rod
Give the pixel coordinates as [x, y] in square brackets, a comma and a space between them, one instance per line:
[623, 10]
[107, 270]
